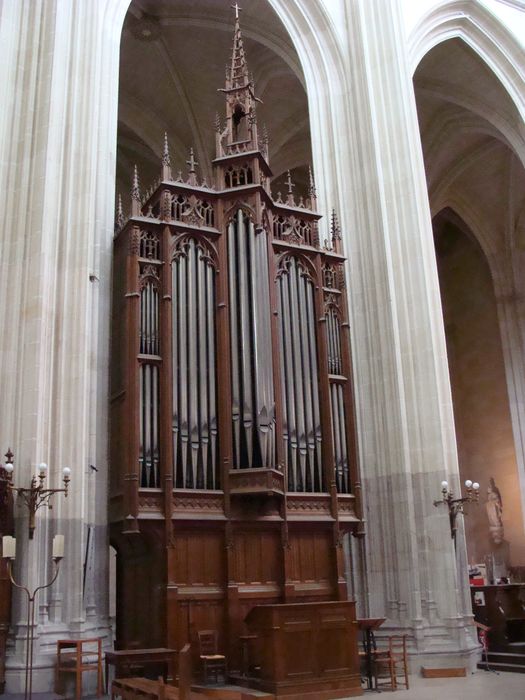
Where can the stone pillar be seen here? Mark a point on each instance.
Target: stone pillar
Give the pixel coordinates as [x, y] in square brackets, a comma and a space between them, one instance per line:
[406, 422]
[368, 159]
[55, 253]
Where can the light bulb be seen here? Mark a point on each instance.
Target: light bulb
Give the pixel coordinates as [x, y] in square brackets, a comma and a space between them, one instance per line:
[475, 486]
[66, 471]
[468, 483]
[444, 484]
[9, 468]
[42, 468]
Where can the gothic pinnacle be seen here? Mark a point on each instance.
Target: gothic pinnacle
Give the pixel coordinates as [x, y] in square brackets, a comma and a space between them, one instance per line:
[135, 194]
[336, 233]
[312, 192]
[166, 151]
[135, 187]
[119, 220]
[166, 161]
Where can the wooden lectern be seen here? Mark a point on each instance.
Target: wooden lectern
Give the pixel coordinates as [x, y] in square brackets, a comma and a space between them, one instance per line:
[307, 650]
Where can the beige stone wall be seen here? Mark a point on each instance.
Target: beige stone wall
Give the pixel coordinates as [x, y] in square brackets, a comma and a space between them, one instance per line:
[479, 389]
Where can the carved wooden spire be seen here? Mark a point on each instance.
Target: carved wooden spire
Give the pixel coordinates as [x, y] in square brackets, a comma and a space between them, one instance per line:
[241, 130]
[135, 194]
[239, 74]
[166, 162]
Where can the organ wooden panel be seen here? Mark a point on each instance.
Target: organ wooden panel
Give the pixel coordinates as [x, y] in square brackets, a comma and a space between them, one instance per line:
[234, 471]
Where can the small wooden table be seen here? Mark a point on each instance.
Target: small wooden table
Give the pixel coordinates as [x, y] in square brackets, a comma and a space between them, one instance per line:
[368, 625]
[123, 659]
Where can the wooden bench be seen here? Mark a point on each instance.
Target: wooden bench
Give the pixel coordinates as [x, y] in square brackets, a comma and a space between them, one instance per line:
[142, 689]
[146, 689]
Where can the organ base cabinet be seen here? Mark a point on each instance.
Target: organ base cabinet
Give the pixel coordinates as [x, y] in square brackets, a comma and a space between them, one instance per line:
[307, 649]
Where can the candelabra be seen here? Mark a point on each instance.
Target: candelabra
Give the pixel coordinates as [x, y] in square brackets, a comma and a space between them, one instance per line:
[36, 495]
[8, 552]
[455, 505]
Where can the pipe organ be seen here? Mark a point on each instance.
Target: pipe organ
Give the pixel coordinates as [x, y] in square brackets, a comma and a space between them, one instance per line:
[234, 471]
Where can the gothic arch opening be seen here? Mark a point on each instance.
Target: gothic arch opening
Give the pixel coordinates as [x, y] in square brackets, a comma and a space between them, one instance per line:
[473, 150]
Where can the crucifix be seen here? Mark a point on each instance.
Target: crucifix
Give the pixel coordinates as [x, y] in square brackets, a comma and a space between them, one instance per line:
[237, 9]
[192, 162]
[290, 183]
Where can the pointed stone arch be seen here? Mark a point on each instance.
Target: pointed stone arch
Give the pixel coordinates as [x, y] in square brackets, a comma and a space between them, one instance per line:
[482, 32]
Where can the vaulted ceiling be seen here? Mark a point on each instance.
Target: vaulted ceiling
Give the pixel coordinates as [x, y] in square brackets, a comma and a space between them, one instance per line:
[473, 144]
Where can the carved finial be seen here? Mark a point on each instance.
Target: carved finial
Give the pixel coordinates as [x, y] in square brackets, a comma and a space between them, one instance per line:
[191, 162]
[135, 187]
[119, 219]
[9, 456]
[135, 193]
[166, 151]
[312, 192]
[166, 161]
[336, 233]
[192, 180]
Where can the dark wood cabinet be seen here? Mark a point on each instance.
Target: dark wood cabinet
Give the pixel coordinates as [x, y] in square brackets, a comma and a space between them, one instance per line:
[504, 612]
[307, 650]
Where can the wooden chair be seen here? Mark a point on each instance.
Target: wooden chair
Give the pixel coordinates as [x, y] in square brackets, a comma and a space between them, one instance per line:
[212, 663]
[77, 656]
[391, 664]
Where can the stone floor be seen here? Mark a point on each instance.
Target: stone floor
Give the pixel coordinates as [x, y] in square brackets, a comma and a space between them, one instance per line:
[481, 685]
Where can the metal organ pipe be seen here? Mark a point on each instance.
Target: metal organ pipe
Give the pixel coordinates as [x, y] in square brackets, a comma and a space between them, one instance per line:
[337, 406]
[149, 386]
[253, 403]
[301, 414]
[194, 370]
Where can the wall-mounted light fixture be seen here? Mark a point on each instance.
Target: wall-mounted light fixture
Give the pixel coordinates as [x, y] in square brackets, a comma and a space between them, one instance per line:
[36, 495]
[455, 505]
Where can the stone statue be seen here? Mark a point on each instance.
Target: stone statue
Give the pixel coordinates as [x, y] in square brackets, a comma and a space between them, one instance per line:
[494, 508]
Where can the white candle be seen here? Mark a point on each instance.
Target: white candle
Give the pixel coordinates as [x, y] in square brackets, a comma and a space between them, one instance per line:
[58, 546]
[8, 547]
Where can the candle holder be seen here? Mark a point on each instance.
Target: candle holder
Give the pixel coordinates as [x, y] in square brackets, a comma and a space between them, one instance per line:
[455, 505]
[36, 495]
[8, 552]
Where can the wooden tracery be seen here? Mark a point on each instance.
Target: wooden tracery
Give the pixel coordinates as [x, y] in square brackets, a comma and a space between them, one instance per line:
[233, 452]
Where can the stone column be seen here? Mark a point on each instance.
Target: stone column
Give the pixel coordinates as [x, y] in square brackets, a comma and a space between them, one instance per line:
[55, 253]
[406, 421]
[368, 158]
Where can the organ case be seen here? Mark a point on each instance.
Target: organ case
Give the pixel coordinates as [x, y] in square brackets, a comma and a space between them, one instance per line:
[233, 455]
